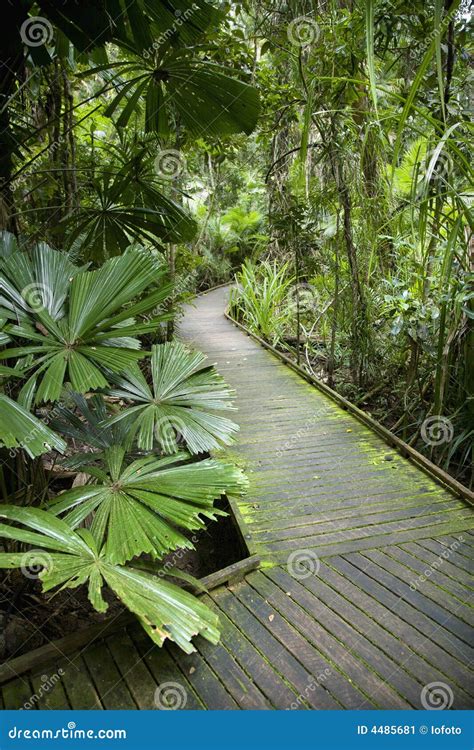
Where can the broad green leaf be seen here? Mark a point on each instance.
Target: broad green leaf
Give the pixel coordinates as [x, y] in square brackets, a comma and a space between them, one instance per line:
[20, 429]
[81, 326]
[72, 559]
[179, 405]
[145, 506]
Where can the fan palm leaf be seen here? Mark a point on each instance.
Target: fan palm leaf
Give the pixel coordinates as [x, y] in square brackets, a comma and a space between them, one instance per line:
[20, 429]
[85, 421]
[207, 98]
[178, 404]
[71, 558]
[121, 214]
[80, 324]
[143, 507]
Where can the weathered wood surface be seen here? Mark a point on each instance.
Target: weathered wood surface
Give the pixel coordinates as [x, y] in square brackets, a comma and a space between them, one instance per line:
[365, 592]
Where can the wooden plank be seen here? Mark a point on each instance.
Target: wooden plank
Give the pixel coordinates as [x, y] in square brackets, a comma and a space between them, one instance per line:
[376, 521]
[326, 676]
[390, 528]
[34, 660]
[417, 458]
[163, 667]
[114, 694]
[18, 693]
[435, 579]
[369, 542]
[449, 568]
[334, 512]
[461, 550]
[260, 671]
[79, 687]
[335, 480]
[435, 545]
[132, 668]
[372, 579]
[302, 508]
[245, 693]
[446, 610]
[279, 658]
[205, 682]
[329, 633]
[435, 662]
[281, 495]
[380, 626]
[49, 692]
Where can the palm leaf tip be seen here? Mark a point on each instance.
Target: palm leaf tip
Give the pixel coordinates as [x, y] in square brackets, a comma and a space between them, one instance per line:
[21, 429]
[164, 610]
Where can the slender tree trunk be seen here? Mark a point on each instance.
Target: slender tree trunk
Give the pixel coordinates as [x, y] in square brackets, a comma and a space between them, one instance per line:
[335, 307]
[11, 65]
[358, 305]
[72, 197]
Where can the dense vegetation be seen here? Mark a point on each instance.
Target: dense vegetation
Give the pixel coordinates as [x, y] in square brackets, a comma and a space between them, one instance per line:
[151, 149]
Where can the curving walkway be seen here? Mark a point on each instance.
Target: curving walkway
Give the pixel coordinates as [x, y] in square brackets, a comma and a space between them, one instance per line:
[364, 595]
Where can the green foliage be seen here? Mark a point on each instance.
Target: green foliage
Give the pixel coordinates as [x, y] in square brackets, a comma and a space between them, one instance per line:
[21, 429]
[179, 403]
[221, 105]
[364, 147]
[350, 209]
[84, 327]
[143, 507]
[261, 299]
[114, 217]
[71, 558]
[77, 324]
[68, 330]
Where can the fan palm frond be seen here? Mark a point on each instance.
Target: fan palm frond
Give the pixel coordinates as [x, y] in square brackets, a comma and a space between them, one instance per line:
[78, 324]
[144, 506]
[69, 559]
[178, 406]
[20, 429]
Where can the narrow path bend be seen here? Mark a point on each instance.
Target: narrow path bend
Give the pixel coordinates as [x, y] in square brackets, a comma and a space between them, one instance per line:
[364, 595]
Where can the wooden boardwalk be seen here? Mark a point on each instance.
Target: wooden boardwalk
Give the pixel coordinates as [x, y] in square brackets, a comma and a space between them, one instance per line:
[364, 596]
